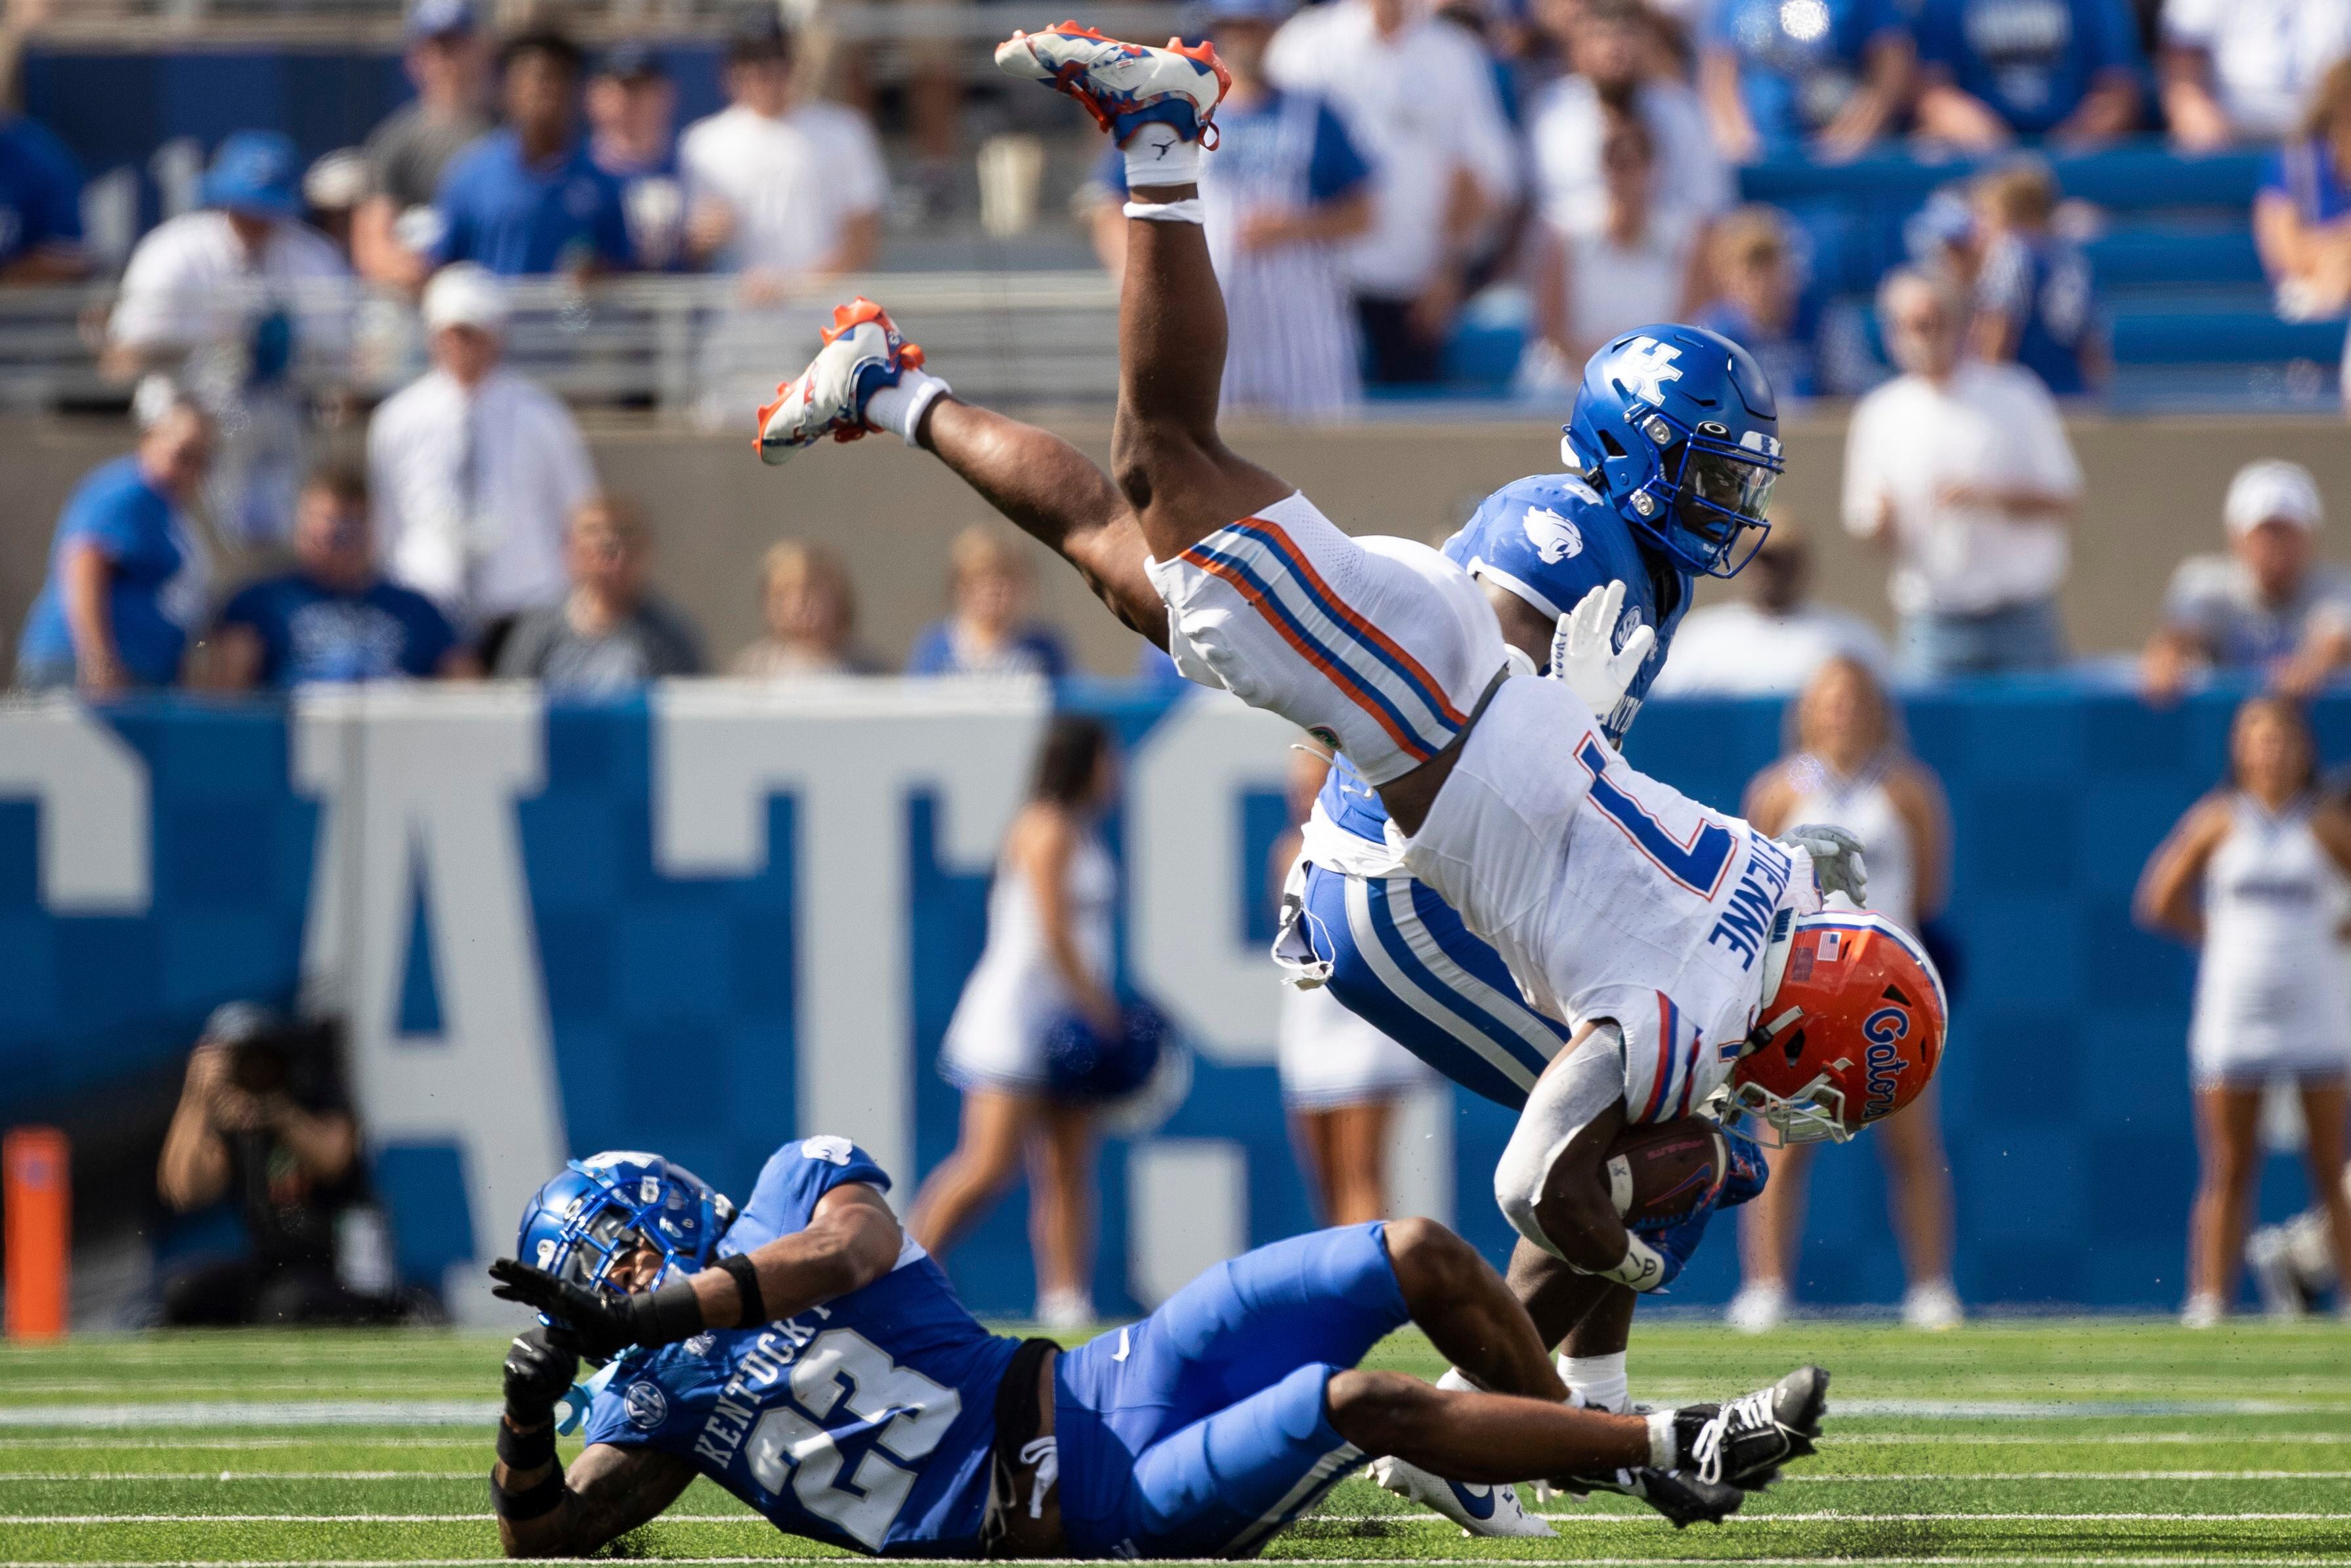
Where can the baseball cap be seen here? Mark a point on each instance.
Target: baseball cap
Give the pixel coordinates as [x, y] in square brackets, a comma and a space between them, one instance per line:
[2272, 490]
[233, 1023]
[465, 294]
[757, 34]
[440, 19]
[255, 172]
[631, 59]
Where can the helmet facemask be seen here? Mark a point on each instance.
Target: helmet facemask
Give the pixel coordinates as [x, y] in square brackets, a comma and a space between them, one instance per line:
[1715, 491]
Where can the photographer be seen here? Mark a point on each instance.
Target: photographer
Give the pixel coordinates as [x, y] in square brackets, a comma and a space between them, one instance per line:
[263, 1120]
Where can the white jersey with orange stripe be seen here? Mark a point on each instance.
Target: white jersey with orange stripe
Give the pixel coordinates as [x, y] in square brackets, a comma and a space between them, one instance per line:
[1378, 647]
[1610, 894]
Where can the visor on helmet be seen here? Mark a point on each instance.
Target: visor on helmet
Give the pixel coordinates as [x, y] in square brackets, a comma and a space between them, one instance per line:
[1720, 494]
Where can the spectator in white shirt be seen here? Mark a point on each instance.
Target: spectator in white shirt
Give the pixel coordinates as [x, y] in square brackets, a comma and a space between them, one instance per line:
[2239, 70]
[2270, 604]
[1591, 286]
[1613, 46]
[245, 304]
[1962, 471]
[1418, 97]
[475, 470]
[781, 187]
[1775, 639]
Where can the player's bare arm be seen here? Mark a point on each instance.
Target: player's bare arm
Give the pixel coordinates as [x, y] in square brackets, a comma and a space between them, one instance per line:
[852, 1239]
[605, 1493]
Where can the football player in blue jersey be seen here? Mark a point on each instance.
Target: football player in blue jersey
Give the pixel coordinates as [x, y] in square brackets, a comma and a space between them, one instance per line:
[811, 1359]
[1645, 507]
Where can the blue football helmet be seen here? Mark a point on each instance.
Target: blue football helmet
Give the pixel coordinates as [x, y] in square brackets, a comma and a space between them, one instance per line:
[606, 1206]
[1678, 427]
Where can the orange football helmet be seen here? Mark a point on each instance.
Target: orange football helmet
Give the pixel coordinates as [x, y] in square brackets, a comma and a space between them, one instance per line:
[1853, 1028]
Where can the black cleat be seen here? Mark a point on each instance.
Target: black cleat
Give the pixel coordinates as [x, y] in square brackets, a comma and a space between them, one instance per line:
[1682, 1496]
[1744, 1443]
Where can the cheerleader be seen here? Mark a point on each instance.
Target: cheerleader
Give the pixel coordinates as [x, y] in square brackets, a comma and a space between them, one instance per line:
[2249, 876]
[1048, 958]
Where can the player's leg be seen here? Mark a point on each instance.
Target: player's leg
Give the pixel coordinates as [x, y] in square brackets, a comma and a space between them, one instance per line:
[1400, 960]
[1056, 494]
[2228, 1121]
[985, 1161]
[2327, 1112]
[1918, 1197]
[1061, 1211]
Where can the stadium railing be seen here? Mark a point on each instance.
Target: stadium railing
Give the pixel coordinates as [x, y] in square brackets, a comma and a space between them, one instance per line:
[680, 346]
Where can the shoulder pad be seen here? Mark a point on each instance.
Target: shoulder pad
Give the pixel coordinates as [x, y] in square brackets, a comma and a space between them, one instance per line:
[1551, 540]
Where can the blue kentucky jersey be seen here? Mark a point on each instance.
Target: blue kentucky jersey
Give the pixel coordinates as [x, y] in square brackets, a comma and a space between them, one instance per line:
[865, 1422]
[1549, 539]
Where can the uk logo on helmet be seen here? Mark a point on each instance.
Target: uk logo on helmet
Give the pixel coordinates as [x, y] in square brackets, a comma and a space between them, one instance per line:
[1646, 365]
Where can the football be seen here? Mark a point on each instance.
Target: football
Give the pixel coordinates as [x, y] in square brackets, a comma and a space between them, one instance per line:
[1665, 1170]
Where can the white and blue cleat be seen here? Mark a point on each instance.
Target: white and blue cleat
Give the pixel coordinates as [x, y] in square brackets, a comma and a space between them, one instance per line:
[1494, 1510]
[1123, 86]
[863, 352]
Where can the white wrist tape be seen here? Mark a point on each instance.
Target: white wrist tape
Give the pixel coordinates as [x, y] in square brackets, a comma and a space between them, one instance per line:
[1641, 1268]
[1188, 211]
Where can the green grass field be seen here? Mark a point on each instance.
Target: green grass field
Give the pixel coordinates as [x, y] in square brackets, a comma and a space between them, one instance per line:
[2126, 1443]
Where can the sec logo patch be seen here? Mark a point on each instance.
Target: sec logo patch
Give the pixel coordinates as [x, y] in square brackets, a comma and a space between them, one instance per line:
[646, 1406]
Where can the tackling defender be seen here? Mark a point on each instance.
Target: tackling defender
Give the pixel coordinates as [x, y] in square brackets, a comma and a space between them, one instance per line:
[810, 1358]
[1659, 928]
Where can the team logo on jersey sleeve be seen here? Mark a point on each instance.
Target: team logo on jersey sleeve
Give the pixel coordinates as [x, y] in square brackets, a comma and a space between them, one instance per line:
[826, 1147]
[646, 1406]
[1554, 537]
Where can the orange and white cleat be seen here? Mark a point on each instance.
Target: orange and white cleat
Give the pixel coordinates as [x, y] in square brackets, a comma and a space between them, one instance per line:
[863, 352]
[1123, 86]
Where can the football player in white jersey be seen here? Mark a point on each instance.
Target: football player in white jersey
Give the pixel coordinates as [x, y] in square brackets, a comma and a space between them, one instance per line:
[1690, 955]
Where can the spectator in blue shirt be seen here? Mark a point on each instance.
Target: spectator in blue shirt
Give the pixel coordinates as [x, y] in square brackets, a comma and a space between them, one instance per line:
[333, 617]
[988, 631]
[40, 205]
[1994, 71]
[529, 198]
[1782, 76]
[2036, 302]
[1761, 303]
[633, 136]
[127, 577]
[2302, 216]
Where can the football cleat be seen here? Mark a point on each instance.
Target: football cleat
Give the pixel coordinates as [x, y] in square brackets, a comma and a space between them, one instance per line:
[1123, 86]
[862, 353]
[1682, 1496]
[1478, 1510]
[1744, 1443]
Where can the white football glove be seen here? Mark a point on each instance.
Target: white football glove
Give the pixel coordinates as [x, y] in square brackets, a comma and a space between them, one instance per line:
[1585, 655]
[1836, 858]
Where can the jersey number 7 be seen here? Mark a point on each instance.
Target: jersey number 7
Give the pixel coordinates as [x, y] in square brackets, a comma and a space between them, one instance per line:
[1698, 864]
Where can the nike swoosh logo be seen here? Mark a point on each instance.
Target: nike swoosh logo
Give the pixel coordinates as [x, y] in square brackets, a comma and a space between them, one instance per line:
[1477, 1502]
[1122, 1346]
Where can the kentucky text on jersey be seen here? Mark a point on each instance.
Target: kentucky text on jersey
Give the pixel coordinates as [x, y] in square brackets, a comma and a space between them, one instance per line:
[761, 1367]
[1748, 916]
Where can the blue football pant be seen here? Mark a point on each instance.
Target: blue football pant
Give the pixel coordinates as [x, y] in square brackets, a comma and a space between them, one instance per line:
[1202, 1430]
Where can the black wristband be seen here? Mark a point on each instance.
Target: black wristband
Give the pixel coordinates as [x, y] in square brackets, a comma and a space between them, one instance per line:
[526, 1450]
[666, 1316]
[538, 1497]
[746, 1275]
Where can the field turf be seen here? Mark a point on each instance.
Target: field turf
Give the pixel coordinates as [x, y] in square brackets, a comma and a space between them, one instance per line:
[2118, 1442]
